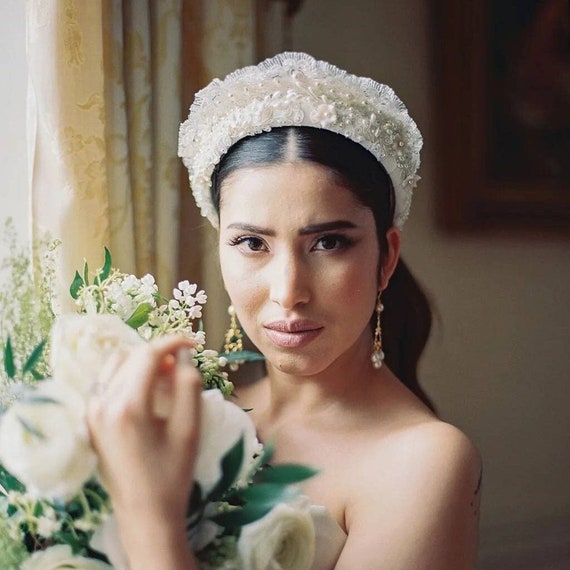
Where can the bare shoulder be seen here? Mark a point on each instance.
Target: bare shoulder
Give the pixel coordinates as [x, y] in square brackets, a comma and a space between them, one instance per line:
[433, 456]
[429, 444]
[424, 508]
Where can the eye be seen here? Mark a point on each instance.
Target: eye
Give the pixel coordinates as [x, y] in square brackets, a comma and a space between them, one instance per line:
[248, 243]
[331, 242]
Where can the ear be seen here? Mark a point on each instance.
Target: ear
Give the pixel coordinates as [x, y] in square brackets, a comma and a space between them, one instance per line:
[390, 257]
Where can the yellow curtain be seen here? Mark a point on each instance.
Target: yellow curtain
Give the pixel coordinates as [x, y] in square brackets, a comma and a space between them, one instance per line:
[104, 108]
[227, 43]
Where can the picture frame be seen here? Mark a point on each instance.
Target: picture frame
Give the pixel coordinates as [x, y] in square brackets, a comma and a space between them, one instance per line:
[503, 93]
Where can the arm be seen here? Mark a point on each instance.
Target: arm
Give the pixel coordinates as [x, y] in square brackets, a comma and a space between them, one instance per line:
[419, 505]
[147, 460]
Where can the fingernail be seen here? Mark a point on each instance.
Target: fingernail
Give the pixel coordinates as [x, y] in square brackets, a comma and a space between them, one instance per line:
[184, 357]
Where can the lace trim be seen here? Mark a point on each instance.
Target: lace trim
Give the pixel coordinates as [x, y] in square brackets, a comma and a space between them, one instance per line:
[294, 89]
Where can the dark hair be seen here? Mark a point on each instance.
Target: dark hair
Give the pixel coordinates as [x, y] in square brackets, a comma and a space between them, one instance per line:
[406, 320]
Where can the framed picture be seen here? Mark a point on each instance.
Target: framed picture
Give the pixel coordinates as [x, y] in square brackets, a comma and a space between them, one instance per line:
[504, 114]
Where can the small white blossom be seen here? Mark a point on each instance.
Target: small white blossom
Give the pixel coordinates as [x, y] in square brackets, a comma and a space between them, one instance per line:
[187, 288]
[85, 525]
[48, 526]
[201, 297]
[200, 338]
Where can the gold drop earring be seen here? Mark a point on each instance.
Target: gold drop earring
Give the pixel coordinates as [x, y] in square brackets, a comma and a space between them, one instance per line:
[233, 341]
[377, 352]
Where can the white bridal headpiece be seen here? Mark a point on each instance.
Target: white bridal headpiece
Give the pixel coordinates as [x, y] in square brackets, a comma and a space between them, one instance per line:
[294, 89]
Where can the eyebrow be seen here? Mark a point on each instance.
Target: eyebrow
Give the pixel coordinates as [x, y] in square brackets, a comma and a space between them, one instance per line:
[307, 230]
[327, 227]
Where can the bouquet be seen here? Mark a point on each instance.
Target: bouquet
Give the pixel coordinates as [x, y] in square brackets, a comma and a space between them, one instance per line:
[54, 510]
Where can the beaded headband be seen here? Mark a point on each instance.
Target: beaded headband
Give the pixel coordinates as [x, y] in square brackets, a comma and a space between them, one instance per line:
[294, 89]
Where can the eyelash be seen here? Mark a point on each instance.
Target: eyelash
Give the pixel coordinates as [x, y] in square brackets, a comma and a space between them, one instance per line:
[239, 240]
[342, 241]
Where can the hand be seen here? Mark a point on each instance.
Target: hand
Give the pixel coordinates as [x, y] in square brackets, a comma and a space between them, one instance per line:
[147, 459]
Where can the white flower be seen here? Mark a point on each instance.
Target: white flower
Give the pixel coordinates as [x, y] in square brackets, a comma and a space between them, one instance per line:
[47, 527]
[205, 531]
[324, 114]
[187, 288]
[48, 524]
[61, 558]
[200, 337]
[106, 540]
[45, 443]
[82, 344]
[284, 539]
[195, 312]
[201, 297]
[222, 424]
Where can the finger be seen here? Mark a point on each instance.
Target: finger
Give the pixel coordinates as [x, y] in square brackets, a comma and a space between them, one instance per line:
[184, 423]
[107, 372]
[134, 383]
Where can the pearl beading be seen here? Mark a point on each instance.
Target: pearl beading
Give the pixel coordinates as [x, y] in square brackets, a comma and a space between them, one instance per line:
[294, 89]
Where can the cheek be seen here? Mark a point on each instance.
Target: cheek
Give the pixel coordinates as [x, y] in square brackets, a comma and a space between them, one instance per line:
[242, 284]
[355, 278]
[351, 290]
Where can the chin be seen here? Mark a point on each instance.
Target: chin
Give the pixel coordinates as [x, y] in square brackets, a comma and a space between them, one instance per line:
[298, 364]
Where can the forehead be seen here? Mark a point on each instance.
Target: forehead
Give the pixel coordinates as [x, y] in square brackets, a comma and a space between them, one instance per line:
[296, 192]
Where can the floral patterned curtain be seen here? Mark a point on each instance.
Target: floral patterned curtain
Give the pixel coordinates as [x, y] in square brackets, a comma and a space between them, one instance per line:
[104, 107]
[227, 42]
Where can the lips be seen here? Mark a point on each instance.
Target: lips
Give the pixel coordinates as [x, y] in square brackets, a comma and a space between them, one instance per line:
[292, 334]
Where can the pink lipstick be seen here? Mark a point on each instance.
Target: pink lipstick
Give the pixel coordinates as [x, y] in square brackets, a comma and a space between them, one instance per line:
[292, 334]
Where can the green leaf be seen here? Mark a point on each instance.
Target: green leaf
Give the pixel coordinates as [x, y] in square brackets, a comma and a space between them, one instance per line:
[70, 538]
[34, 357]
[260, 499]
[9, 482]
[242, 515]
[139, 316]
[285, 473]
[9, 365]
[76, 285]
[269, 493]
[243, 356]
[37, 375]
[106, 270]
[231, 465]
[160, 299]
[30, 428]
[86, 273]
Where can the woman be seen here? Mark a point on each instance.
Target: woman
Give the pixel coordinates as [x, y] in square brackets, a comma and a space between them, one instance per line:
[308, 172]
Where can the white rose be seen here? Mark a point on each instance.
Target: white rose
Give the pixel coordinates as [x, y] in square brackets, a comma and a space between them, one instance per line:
[61, 558]
[223, 423]
[284, 539]
[106, 540]
[81, 345]
[52, 456]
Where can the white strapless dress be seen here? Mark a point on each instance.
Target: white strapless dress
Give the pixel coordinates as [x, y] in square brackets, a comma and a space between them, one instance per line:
[330, 539]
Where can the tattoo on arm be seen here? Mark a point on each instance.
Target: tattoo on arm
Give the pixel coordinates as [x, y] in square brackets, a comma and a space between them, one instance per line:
[476, 499]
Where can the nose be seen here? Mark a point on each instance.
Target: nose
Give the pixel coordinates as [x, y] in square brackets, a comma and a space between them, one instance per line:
[289, 281]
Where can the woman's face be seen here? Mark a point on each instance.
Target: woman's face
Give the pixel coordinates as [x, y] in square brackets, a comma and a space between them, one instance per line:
[299, 258]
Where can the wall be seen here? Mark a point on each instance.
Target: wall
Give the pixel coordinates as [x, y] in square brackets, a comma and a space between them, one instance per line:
[497, 364]
[13, 158]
